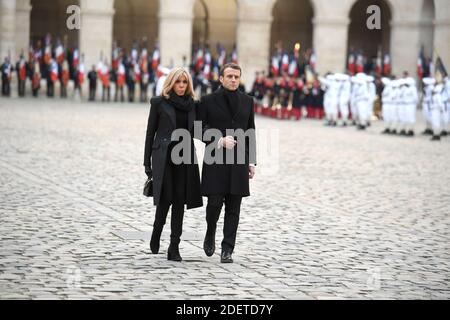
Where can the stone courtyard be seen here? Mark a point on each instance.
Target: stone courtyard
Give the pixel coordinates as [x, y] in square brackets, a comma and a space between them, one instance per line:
[335, 213]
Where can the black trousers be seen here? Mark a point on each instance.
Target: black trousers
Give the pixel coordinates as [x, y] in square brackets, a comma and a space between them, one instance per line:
[173, 194]
[176, 221]
[21, 88]
[231, 222]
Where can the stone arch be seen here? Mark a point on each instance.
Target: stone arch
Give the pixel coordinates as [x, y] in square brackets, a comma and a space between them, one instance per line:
[362, 39]
[426, 37]
[49, 16]
[214, 21]
[135, 20]
[292, 23]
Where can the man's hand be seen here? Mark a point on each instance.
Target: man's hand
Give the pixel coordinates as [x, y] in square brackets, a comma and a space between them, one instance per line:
[251, 172]
[227, 142]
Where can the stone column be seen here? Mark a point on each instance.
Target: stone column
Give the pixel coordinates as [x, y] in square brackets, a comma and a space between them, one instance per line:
[96, 31]
[405, 46]
[175, 31]
[442, 32]
[330, 43]
[405, 36]
[253, 37]
[7, 29]
[23, 9]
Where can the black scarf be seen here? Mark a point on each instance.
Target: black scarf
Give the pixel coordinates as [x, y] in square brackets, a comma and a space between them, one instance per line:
[183, 103]
[231, 97]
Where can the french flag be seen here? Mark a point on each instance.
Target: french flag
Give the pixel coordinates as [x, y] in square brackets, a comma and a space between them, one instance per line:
[199, 60]
[379, 63]
[76, 58]
[420, 60]
[59, 52]
[54, 71]
[234, 56]
[387, 65]
[207, 71]
[222, 56]
[312, 61]
[81, 73]
[293, 70]
[155, 59]
[351, 64]
[137, 73]
[359, 63]
[285, 62]
[275, 66]
[121, 75]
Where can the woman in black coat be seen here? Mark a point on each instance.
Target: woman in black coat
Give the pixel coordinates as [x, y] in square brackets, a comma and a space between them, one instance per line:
[174, 185]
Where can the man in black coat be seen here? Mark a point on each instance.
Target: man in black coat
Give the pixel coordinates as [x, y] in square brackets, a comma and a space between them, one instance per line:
[226, 110]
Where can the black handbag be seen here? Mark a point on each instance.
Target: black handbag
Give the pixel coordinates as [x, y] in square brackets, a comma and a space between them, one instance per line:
[148, 188]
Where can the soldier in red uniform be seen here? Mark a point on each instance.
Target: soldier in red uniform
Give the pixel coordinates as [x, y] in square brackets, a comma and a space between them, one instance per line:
[21, 68]
[64, 78]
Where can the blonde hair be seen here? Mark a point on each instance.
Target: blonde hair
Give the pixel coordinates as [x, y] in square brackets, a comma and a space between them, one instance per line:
[172, 77]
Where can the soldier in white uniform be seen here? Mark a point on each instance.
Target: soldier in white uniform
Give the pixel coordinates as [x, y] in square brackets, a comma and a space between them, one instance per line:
[362, 98]
[387, 99]
[428, 85]
[410, 101]
[395, 112]
[446, 111]
[437, 108]
[401, 107]
[353, 107]
[344, 96]
[330, 98]
[372, 97]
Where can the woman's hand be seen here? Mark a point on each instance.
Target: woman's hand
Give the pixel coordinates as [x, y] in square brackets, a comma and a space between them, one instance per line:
[148, 172]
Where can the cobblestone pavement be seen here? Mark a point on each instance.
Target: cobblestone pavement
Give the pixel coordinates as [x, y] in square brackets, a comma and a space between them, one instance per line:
[342, 214]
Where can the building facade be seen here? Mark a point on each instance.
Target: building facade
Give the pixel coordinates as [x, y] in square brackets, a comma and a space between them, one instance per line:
[331, 28]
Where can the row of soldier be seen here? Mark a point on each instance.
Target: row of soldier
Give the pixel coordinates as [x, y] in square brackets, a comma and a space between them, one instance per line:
[436, 107]
[287, 96]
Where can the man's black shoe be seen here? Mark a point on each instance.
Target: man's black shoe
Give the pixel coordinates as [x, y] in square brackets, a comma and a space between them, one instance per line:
[225, 257]
[444, 133]
[386, 131]
[209, 245]
[435, 138]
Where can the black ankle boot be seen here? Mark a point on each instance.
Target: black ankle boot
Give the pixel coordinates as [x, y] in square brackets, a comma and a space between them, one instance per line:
[173, 253]
[209, 244]
[154, 242]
